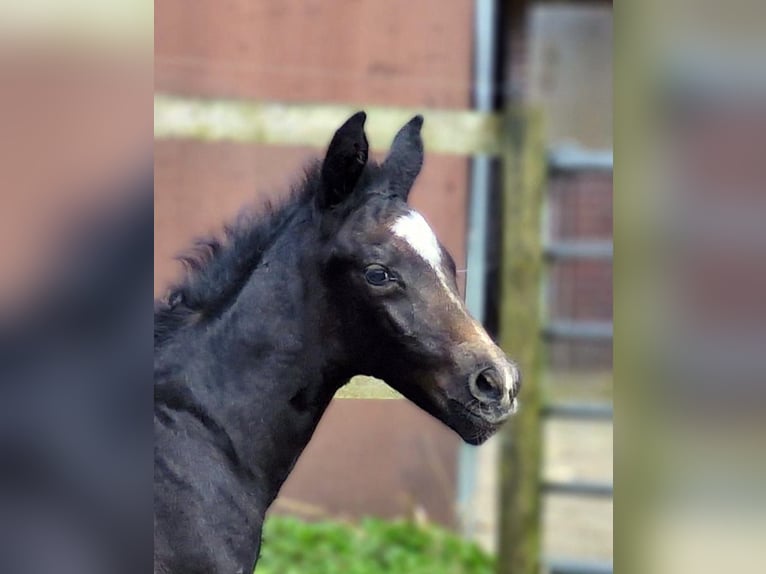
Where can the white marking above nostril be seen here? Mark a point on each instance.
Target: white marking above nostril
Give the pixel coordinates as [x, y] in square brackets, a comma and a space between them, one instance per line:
[514, 379]
[415, 231]
[510, 376]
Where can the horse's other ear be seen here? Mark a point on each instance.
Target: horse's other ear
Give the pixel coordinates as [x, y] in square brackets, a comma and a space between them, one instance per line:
[405, 158]
[344, 162]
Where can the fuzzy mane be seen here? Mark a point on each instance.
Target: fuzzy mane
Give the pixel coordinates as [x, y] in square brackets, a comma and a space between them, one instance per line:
[217, 267]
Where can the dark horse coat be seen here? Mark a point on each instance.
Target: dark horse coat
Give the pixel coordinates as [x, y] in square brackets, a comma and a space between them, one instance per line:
[343, 279]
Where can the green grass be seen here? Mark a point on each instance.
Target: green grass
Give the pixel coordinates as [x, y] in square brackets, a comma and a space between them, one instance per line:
[292, 546]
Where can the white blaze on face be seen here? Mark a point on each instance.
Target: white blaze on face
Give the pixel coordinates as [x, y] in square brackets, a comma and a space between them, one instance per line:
[414, 229]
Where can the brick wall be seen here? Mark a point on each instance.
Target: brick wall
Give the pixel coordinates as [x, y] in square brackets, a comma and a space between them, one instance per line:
[581, 208]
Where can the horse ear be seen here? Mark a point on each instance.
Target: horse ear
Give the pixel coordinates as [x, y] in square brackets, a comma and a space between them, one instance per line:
[344, 162]
[405, 158]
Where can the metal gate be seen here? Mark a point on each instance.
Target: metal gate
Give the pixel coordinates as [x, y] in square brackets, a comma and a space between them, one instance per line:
[569, 160]
[529, 251]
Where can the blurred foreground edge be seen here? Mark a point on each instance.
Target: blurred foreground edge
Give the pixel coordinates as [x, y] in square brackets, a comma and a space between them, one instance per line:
[75, 388]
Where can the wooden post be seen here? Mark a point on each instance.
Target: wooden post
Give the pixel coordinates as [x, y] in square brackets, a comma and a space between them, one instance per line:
[524, 174]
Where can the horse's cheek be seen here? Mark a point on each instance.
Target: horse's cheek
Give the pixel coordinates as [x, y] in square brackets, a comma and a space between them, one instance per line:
[401, 318]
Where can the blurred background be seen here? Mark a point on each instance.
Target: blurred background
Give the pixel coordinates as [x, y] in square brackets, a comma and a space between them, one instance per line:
[76, 139]
[77, 125]
[518, 104]
[517, 99]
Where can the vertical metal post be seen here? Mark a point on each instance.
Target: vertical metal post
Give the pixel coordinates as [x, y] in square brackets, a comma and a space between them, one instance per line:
[485, 22]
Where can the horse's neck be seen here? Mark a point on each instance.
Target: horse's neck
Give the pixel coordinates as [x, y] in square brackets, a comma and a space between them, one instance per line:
[268, 370]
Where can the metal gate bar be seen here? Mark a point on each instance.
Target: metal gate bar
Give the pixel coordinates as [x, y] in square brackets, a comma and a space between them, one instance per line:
[580, 249]
[578, 567]
[579, 488]
[581, 330]
[580, 411]
[575, 159]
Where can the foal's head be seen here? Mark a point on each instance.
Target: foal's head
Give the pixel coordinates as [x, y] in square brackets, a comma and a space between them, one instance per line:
[393, 286]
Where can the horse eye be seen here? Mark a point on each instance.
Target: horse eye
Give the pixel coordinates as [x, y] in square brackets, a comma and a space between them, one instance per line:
[377, 275]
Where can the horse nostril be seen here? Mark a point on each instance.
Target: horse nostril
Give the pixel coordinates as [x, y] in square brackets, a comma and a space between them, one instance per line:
[487, 385]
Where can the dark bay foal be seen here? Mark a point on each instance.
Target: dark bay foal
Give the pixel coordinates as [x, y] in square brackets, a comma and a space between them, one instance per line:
[344, 279]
